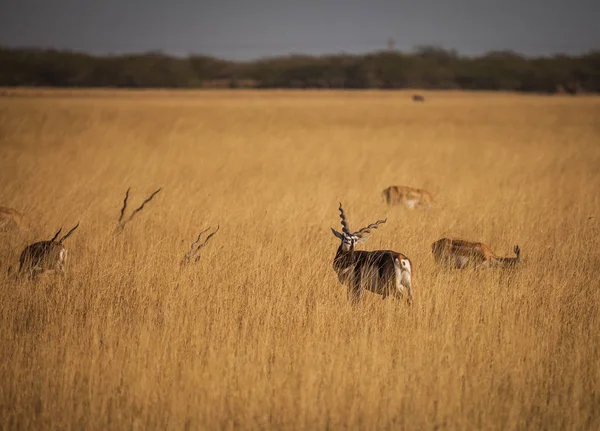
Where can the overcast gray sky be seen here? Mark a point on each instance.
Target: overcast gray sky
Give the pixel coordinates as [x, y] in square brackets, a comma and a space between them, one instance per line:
[246, 29]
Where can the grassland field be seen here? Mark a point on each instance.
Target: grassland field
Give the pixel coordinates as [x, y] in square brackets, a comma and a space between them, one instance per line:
[258, 334]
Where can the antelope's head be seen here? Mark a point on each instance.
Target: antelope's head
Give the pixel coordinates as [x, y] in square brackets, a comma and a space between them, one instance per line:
[350, 239]
[512, 261]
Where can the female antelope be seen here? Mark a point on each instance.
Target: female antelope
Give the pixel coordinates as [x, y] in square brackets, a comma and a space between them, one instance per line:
[410, 197]
[384, 272]
[458, 253]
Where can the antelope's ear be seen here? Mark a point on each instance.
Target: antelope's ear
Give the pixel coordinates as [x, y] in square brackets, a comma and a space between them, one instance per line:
[337, 234]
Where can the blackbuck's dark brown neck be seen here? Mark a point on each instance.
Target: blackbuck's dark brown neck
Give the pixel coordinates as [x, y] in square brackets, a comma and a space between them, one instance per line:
[341, 256]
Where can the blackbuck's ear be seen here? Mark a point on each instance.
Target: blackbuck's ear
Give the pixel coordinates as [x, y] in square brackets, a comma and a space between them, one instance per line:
[337, 234]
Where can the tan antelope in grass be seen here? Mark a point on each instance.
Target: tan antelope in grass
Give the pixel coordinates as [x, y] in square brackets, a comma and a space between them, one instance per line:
[384, 272]
[410, 197]
[45, 257]
[458, 253]
[122, 221]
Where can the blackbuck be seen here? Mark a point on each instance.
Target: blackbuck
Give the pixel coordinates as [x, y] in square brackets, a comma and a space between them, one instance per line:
[458, 253]
[122, 221]
[45, 257]
[384, 272]
[194, 254]
[410, 197]
[418, 98]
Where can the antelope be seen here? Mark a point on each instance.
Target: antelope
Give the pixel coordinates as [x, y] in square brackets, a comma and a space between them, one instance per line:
[418, 98]
[122, 221]
[408, 196]
[458, 253]
[45, 257]
[384, 272]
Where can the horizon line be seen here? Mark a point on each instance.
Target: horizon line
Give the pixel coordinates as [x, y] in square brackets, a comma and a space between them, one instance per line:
[414, 51]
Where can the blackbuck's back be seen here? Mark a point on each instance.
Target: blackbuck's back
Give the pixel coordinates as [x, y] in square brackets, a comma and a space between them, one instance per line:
[384, 272]
[45, 256]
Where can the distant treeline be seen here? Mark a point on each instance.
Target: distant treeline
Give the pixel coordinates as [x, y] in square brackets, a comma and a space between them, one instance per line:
[426, 68]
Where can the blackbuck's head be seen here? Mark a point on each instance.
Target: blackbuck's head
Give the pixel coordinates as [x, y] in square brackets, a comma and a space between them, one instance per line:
[509, 262]
[350, 239]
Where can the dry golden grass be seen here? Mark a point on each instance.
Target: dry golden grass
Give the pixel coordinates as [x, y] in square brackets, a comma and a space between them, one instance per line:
[259, 334]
